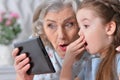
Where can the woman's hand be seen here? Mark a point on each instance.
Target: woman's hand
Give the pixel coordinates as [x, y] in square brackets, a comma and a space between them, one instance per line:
[21, 65]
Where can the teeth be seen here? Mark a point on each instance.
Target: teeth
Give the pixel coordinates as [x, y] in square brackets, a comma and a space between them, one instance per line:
[62, 45]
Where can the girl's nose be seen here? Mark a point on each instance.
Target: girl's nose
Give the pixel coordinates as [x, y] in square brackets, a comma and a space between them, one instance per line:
[80, 33]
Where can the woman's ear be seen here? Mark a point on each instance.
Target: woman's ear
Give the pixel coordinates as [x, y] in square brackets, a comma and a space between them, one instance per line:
[110, 28]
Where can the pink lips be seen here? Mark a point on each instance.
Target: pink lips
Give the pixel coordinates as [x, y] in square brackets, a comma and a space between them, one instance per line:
[63, 47]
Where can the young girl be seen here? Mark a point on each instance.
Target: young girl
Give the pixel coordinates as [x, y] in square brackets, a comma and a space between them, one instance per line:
[99, 22]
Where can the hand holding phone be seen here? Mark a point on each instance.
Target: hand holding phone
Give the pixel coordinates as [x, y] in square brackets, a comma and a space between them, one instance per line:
[39, 59]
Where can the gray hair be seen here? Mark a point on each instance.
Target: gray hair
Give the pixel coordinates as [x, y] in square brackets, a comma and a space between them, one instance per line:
[45, 7]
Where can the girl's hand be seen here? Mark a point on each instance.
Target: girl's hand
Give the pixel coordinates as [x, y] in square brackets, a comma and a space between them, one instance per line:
[75, 49]
[21, 65]
[118, 48]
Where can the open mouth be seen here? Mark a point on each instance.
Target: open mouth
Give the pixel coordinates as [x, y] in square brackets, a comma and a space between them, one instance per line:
[63, 47]
[85, 44]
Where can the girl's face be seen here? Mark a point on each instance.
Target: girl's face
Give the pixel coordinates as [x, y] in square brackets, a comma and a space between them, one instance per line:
[61, 29]
[93, 29]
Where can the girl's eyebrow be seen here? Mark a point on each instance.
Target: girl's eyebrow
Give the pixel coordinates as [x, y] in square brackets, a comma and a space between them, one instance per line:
[84, 19]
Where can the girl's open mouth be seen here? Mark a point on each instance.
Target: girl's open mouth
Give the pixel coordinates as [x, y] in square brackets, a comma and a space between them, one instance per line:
[85, 44]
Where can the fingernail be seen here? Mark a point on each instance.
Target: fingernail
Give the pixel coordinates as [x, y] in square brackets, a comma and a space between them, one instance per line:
[118, 49]
[16, 48]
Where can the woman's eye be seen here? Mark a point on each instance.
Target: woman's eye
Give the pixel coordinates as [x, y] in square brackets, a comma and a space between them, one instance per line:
[52, 26]
[70, 24]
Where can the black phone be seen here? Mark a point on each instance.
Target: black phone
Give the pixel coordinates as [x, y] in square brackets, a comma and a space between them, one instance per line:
[39, 59]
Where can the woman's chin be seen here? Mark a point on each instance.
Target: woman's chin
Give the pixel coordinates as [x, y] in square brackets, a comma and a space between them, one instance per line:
[61, 54]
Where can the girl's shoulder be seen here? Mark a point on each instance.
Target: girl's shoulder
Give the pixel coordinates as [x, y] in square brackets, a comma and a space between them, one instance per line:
[118, 63]
[118, 58]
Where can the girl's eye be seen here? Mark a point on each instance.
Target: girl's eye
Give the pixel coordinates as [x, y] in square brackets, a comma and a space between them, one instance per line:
[52, 26]
[86, 26]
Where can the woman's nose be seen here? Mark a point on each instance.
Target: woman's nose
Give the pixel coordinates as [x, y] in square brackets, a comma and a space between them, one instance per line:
[61, 34]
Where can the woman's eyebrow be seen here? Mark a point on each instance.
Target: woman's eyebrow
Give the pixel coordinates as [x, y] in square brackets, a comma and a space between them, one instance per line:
[51, 20]
[69, 18]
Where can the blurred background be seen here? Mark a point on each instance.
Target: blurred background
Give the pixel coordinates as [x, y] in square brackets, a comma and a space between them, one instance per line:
[15, 25]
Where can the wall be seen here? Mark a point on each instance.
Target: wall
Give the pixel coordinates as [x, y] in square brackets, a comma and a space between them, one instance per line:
[25, 8]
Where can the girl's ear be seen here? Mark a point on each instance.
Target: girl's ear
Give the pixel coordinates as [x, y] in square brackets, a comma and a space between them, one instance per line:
[110, 28]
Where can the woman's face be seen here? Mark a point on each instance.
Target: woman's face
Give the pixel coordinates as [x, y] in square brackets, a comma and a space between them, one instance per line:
[92, 28]
[61, 29]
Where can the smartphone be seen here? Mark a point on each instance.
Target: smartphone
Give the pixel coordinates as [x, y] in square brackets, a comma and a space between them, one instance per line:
[39, 60]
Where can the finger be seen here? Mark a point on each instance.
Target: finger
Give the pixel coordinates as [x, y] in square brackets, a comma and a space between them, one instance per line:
[79, 40]
[20, 58]
[76, 47]
[25, 68]
[79, 51]
[23, 63]
[15, 52]
[79, 46]
[74, 53]
[118, 48]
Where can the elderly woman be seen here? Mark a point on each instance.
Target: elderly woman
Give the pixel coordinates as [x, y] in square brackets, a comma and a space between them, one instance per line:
[55, 22]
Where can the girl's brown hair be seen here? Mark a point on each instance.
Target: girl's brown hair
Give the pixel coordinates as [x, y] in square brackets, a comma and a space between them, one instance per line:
[107, 10]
